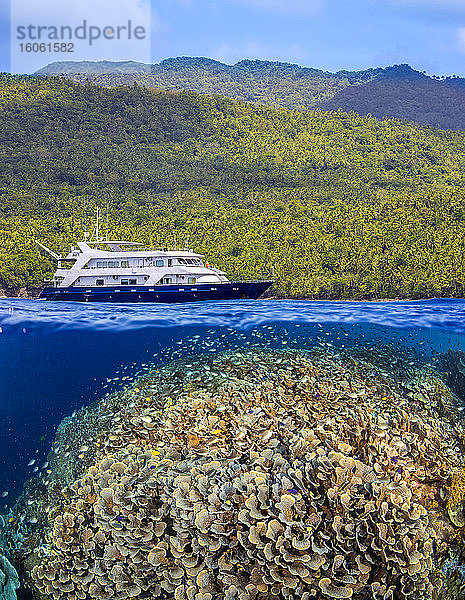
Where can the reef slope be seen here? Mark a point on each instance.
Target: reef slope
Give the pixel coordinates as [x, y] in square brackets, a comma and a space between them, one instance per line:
[253, 476]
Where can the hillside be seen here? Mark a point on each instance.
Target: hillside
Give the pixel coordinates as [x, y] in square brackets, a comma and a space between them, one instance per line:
[397, 91]
[417, 98]
[340, 205]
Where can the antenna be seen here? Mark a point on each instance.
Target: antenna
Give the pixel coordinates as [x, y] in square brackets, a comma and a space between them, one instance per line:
[55, 256]
[86, 231]
[108, 211]
[97, 210]
[187, 242]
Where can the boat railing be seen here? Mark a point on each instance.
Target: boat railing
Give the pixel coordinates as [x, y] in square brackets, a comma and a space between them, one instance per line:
[253, 281]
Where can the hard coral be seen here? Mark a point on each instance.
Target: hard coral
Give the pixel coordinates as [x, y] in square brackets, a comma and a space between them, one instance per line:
[294, 478]
[9, 580]
[456, 500]
[275, 524]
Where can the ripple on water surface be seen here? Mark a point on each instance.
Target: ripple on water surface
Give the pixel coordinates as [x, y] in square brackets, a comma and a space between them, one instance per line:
[439, 313]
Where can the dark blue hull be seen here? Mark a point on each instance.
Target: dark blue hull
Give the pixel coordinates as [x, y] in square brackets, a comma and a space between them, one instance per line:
[162, 293]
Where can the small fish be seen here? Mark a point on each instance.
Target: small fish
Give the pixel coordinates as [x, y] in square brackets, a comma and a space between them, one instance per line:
[31, 462]
[5, 494]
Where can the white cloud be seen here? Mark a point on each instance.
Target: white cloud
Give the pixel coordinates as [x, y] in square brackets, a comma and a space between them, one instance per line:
[437, 4]
[283, 6]
[97, 13]
[98, 10]
[461, 38]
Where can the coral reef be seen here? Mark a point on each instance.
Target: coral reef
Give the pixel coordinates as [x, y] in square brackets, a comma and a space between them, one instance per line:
[9, 580]
[265, 475]
[453, 364]
[455, 502]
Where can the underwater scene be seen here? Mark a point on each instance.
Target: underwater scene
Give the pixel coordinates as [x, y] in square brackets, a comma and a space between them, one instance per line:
[236, 450]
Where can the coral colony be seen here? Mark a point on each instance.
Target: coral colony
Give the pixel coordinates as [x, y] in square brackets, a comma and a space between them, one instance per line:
[253, 476]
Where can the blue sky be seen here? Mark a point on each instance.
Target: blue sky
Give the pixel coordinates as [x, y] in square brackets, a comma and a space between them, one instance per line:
[326, 34]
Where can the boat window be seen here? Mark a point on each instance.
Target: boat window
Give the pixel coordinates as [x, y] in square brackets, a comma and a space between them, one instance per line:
[181, 261]
[99, 282]
[101, 264]
[113, 263]
[132, 281]
[191, 280]
[125, 282]
[124, 264]
[159, 263]
[167, 280]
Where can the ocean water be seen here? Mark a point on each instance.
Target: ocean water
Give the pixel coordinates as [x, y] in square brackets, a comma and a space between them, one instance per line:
[59, 359]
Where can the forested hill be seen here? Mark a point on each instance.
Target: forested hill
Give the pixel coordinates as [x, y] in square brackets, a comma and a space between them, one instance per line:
[397, 91]
[338, 204]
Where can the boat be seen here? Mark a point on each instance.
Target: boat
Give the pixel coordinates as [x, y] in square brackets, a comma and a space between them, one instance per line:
[103, 270]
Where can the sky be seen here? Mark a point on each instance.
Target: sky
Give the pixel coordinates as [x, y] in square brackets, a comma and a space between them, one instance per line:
[326, 34]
